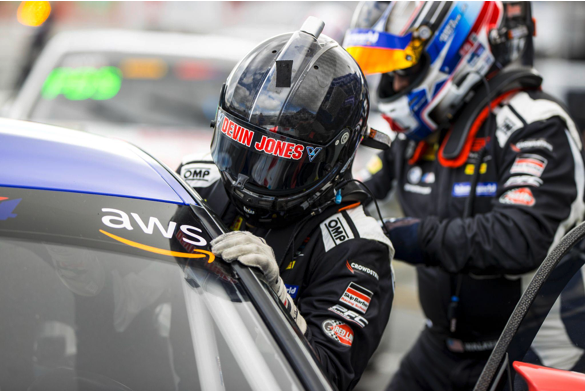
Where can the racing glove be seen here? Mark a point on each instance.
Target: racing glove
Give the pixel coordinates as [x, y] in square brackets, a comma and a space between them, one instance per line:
[253, 251]
[403, 233]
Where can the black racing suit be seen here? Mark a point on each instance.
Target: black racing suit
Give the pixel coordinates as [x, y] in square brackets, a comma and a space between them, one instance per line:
[336, 267]
[529, 193]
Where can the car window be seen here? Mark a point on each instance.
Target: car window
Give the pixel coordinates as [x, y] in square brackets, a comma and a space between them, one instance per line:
[103, 292]
[131, 89]
[547, 327]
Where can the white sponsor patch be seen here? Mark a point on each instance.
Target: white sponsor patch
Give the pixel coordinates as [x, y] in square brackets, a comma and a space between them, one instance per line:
[522, 196]
[357, 297]
[523, 180]
[200, 174]
[414, 174]
[530, 164]
[417, 189]
[429, 177]
[335, 230]
[535, 144]
[349, 315]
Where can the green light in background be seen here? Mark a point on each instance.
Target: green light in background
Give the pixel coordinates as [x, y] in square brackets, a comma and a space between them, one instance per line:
[83, 83]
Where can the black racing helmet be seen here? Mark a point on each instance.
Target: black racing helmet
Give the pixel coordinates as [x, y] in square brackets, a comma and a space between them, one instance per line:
[290, 118]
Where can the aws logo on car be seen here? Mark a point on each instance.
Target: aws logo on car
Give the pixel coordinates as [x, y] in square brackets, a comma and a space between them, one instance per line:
[187, 234]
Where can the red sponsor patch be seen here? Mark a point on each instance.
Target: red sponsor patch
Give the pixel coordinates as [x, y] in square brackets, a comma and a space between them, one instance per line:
[357, 296]
[479, 143]
[338, 331]
[530, 164]
[521, 196]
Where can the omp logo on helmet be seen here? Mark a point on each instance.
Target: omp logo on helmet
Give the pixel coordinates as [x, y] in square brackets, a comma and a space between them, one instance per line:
[7, 207]
[349, 315]
[335, 230]
[338, 331]
[357, 296]
[187, 234]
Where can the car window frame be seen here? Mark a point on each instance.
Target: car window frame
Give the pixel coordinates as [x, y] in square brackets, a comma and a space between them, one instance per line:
[508, 348]
[283, 329]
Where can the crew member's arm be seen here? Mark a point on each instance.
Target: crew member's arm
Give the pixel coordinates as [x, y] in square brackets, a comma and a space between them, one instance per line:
[346, 304]
[540, 197]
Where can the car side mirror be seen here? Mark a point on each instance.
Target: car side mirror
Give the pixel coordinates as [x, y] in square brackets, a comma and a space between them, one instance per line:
[541, 378]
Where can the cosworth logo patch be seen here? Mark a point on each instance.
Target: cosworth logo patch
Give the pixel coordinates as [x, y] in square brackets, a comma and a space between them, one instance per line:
[357, 296]
[338, 331]
[335, 230]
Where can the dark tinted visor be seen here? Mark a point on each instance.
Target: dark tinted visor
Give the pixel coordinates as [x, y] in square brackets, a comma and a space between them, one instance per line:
[274, 164]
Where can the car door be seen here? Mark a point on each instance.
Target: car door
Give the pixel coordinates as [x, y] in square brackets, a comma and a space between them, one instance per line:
[543, 344]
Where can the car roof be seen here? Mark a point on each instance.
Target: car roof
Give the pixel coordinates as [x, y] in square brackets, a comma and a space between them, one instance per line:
[152, 42]
[39, 156]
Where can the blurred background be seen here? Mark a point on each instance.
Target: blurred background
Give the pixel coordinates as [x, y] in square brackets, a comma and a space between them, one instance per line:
[64, 62]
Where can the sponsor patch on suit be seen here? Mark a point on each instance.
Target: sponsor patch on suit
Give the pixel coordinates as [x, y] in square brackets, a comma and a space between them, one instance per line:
[338, 331]
[357, 296]
[349, 315]
[530, 164]
[335, 230]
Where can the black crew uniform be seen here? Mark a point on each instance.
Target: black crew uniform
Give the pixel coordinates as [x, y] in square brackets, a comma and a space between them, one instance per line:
[336, 267]
[529, 193]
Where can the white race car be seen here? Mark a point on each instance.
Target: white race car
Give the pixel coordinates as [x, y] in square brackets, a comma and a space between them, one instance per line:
[157, 90]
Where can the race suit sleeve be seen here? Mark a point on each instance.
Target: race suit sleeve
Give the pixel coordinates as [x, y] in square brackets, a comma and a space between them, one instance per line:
[539, 197]
[381, 168]
[347, 307]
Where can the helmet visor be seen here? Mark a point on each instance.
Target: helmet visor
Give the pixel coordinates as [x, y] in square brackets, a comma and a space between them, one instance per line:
[380, 52]
[383, 37]
[274, 164]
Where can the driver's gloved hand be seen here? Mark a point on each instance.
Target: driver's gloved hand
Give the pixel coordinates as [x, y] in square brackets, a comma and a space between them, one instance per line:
[253, 251]
[403, 233]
